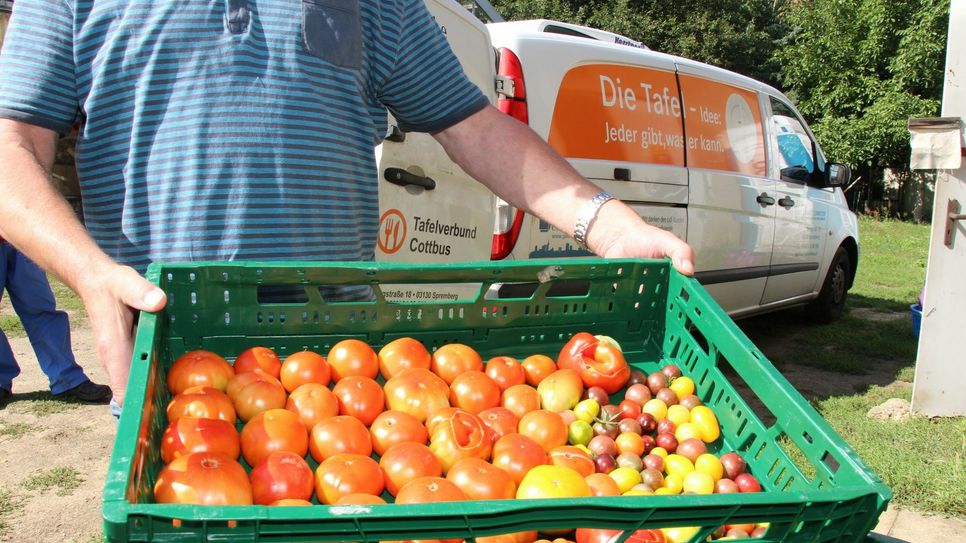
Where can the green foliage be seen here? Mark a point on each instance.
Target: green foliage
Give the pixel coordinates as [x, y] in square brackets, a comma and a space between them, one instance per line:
[64, 479]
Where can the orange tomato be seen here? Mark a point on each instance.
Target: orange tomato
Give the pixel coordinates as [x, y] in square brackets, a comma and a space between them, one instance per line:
[474, 391]
[312, 402]
[202, 402]
[187, 435]
[340, 434]
[429, 490]
[505, 371]
[517, 454]
[392, 427]
[481, 480]
[453, 359]
[461, 435]
[500, 421]
[203, 478]
[404, 462]
[521, 399]
[258, 358]
[304, 367]
[198, 368]
[360, 499]
[416, 391]
[536, 367]
[346, 473]
[273, 430]
[360, 397]
[352, 357]
[574, 458]
[401, 354]
[602, 484]
[253, 392]
[545, 427]
[281, 475]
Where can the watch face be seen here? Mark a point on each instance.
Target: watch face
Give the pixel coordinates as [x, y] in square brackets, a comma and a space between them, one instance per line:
[742, 130]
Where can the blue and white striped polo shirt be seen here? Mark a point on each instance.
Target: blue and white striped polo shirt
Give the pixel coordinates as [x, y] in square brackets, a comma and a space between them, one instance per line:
[230, 129]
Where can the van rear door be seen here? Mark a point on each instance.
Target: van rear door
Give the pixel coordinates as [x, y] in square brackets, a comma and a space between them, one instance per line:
[431, 211]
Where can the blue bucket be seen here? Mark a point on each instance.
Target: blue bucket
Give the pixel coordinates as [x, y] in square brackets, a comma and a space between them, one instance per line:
[916, 311]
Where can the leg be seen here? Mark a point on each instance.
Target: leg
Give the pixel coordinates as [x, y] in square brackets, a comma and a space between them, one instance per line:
[8, 363]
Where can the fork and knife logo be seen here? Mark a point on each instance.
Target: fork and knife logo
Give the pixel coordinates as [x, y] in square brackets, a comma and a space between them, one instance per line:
[392, 231]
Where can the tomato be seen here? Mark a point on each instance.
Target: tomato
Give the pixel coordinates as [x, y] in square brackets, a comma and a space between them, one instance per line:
[474, 391]
[201, 402]
[190, 434]
[599, 363]
[574, 458]
[360, 397]
[359, 498]
[625, 478]
[517, 454]
[392, 427]
[253, 392]
[601, 484]
[258, 358]
[281, 475]
[704, 418]
[403, 353]
[561, 390]
[199, 368]
[629, 409]
[603, 535]
[515, 537]
[340, 434]
[500, 421]
[429, 490]
[698, 482]
[273, 430]
[346, 473]
[203, 478]
[462, 435]
[304, 367]
[630, 442]
[352, 357]
[290, 502]
[404, 462]
[439, 417]
[552, 482]
[453, 359]
[682, 386]
[312, 402]
[521, 399]
[544, 427]
[505, 371]
[481, 480]
[537, 367]
[416, 391]
[587, 410]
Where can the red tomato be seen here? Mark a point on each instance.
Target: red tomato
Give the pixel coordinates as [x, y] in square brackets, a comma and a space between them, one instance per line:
[603, 535]
[253, 392]
[537, 367]
[474, 391]
[429, 490]
[360, 397]
[574, 458]
[304, 367]
[199, 368]
[460, 436]
[629, 409]
[352, 357]
[312, 402]
[598, 363]
[416, 391]
[401, 354]
[453, 359]
[281, 475]
[258, 358]
[602, 484]
[273, 430]
[203, 478]
[404, 462]
[345, 474]
[481, 480]
[500, 421]
[505, 371]
[515, 537]
[187, 435]
[521, 399]
[517, 454]
[201, 402]
[340, 434]
[392, 427]
[544, 427]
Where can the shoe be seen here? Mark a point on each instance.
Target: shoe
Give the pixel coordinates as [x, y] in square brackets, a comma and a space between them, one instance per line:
[87, 392]
[4, 397]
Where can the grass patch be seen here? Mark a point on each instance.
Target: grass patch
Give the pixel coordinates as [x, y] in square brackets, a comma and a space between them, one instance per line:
[67, 299]
[64, 479]
[892, 264]
[16, 430]
[8, 504]
[42, 404]
[11, 326]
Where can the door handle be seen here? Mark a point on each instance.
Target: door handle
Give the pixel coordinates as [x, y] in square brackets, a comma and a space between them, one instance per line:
[765, 200]
[786, 202]
[401, 177]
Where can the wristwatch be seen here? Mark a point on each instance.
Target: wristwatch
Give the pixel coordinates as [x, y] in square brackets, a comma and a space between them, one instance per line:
[587, 216]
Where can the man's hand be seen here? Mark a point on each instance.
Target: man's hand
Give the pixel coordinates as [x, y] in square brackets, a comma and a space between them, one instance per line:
[111, 299]
[618, 232]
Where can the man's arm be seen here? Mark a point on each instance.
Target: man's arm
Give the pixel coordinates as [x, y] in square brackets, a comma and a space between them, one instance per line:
[36, 219]
[512, 160]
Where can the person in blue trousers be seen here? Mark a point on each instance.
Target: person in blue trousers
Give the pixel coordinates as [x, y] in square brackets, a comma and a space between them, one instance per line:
[48, 330]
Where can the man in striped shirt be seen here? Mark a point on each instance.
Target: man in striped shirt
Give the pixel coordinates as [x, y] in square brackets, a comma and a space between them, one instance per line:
[241, 130]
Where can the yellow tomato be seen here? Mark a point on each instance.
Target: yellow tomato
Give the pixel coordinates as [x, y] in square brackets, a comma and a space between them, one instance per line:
[625, 478]
[553, 482]
[678, 414]
[688, 430]
[664, 491]
[710, 464]
[704, 418]
[674, 483]
[698, 482]
[682, 386]
[679, 534]
[660, 451]
[637, 492]
[675, 463]
[657, 409]
[587, 410]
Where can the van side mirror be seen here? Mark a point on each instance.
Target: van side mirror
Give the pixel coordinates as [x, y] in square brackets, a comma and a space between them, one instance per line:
[837, 175]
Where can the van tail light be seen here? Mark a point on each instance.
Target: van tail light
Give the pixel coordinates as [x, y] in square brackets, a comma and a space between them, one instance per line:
[512, 100]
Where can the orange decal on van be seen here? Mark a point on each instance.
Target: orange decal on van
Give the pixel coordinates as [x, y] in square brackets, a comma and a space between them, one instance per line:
[392, 231]
[723, 126]
[613, 112]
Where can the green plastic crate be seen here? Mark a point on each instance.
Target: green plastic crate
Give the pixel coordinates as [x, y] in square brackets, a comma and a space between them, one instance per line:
[816, 487]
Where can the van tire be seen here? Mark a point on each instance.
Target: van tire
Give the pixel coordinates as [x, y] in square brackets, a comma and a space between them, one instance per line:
[828, 306]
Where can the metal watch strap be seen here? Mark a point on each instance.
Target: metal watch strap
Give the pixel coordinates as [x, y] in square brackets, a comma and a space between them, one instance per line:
[587, 216]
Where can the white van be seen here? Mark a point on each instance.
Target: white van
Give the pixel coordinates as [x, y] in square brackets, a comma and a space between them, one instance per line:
[721, 160]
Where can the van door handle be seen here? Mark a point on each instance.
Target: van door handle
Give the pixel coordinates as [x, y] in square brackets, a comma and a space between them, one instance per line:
[786, 202]
[765, 200]
[401, 177]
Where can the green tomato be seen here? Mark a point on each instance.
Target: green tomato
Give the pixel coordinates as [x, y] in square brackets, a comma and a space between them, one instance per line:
[580, 432]
[587, 410]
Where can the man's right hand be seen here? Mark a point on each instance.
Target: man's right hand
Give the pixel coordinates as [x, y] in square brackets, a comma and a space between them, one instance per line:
[111, 298]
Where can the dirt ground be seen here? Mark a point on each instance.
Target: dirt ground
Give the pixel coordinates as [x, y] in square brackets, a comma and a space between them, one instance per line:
[39, 436]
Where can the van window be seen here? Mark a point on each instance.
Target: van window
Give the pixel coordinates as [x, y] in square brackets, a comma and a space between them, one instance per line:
[796, 151]
[722, 123]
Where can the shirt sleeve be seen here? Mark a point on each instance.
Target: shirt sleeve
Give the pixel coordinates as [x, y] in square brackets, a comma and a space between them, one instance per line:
[427, 90]
[37, 77]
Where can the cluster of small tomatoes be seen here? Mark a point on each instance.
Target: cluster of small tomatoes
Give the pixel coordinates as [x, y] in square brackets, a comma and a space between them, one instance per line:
[442, 426]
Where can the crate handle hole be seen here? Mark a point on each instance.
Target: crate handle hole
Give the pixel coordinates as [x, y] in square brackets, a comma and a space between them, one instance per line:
[831, 462]
[281, 294]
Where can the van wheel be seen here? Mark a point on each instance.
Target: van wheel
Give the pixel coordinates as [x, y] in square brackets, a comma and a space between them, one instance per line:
[831, 299]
